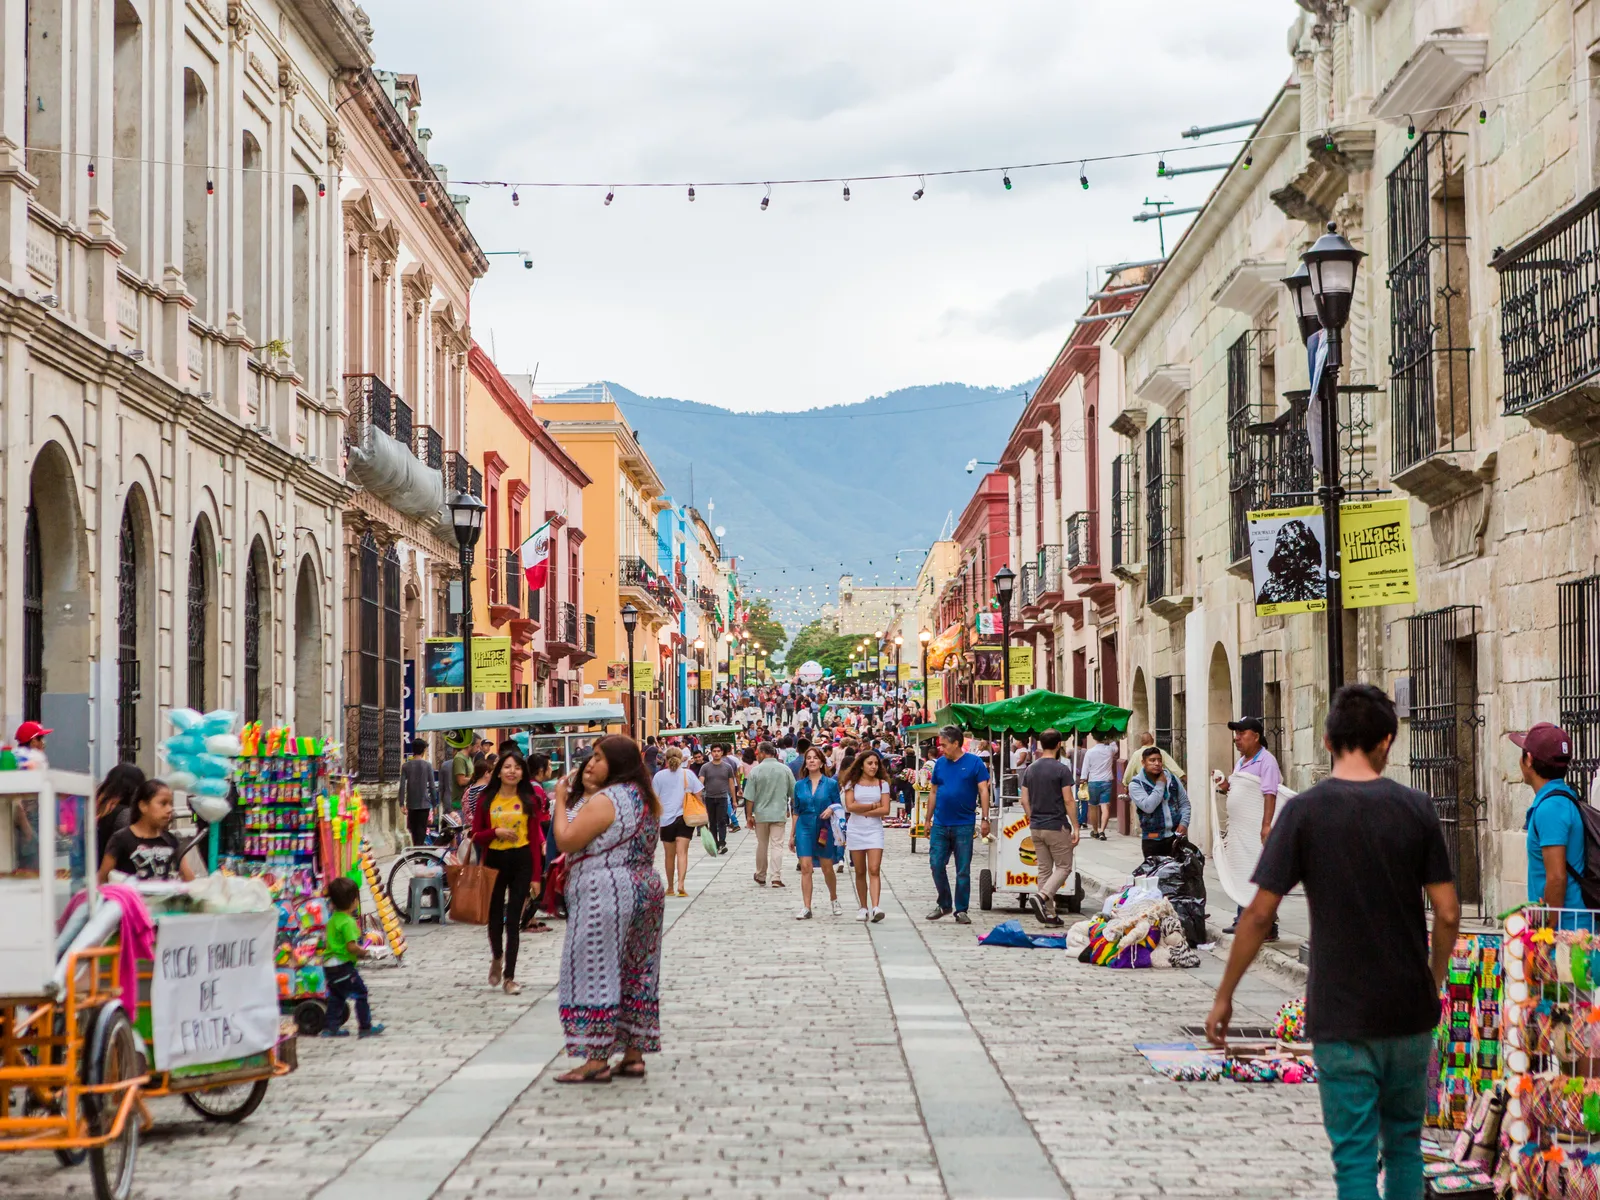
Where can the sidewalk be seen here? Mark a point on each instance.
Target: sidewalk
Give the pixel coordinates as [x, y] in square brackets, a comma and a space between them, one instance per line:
[1105, 867]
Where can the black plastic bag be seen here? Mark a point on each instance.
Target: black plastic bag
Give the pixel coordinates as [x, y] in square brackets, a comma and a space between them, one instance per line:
[1192, 914]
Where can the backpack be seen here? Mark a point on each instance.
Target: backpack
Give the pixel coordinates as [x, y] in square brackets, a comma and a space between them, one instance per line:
[1589, 878]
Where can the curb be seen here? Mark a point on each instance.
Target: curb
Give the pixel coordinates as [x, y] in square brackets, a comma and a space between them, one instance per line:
[1285, 967]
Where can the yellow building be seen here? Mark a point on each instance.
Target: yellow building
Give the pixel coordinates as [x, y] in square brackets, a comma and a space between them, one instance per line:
[621, 550]
[528, 479]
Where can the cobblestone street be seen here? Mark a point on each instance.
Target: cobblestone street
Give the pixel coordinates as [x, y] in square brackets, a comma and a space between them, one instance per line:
[801, 1059]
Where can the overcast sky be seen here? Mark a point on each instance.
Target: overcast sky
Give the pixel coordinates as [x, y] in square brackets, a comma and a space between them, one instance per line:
[815, 301]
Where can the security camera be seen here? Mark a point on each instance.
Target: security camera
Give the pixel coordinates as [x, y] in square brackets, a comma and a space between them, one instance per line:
[972, 465]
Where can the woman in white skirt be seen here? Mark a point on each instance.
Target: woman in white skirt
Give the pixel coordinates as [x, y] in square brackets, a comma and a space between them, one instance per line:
[866, 790]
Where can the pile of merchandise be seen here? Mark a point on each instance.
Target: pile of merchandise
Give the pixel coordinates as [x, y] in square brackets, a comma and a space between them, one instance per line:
[1466, 1058]
[1289, 1026]
[1137, 928]
[1242, 1062]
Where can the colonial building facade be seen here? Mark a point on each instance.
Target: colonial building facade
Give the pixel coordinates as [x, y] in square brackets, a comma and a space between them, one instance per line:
[169, 391]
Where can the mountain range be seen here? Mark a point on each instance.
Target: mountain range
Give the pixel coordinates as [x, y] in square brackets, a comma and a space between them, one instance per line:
[804, 497]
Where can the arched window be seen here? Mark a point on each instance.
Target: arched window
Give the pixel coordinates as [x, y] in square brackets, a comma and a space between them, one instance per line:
[32, 619]
[253, 182]
[44, 105]
[301, 241]
[127, 131]
[128, 638]
[196, 199]
[308, 651]
[256, 607]
[393, 702]
[199, 615]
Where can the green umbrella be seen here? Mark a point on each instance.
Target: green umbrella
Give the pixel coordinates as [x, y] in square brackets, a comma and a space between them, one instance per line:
[1034, 712]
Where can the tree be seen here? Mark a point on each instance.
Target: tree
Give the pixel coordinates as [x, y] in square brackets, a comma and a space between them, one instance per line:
[760, 626]
[820, 642]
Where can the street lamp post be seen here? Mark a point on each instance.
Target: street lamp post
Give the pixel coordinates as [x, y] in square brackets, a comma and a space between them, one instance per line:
[925, 637]
[630, 618]
[899, 641]
[699, 693]
[1322, 291]
[466, 514]
[1005, 581]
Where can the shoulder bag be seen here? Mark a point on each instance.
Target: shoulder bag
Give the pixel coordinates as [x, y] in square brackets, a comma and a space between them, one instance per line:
[694, 808]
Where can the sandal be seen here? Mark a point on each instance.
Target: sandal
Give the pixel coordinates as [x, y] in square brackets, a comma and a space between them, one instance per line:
[630, 1068]
[583, 1075]
[512, 987]
[536, 927]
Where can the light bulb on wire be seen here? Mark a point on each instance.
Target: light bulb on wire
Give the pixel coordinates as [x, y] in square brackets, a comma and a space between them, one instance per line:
[516, 200]
[1006, 179]
[691, 193]
[767, 199]
[1083, 176]
[922, 186]
[847, 191]
[610, 196]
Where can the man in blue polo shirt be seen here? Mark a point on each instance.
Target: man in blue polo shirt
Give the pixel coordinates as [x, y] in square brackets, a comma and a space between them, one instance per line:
[960, 783]
[1555, 830]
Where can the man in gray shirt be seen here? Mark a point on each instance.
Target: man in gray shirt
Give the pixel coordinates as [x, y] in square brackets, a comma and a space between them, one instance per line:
[419, 791]
[721, 779]
[1047, 803]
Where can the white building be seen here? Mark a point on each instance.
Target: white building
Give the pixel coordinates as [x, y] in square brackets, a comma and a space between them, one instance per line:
[169, 242]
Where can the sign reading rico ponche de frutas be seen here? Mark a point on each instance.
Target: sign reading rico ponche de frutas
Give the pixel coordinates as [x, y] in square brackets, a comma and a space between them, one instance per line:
[214, 991]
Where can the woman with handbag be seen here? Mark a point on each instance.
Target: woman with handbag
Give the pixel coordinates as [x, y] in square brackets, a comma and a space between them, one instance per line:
[816, 797]
[505, 829]
[611, 961]
[673, 785]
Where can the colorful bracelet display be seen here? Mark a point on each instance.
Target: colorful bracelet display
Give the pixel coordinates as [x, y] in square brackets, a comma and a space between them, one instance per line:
[1466, 1053]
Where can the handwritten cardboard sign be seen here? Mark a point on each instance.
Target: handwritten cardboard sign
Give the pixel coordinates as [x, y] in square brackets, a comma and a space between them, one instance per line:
[214, 995]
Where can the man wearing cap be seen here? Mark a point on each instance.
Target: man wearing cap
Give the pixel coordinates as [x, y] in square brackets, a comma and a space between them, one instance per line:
[1555, 828]
[1256, 760]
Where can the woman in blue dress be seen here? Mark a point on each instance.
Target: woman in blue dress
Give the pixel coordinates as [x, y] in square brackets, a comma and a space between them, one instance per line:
[811, 837]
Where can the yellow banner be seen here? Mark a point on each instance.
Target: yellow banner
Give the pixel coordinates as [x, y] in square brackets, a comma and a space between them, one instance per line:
[935, 700]
[705, 680]
[644, 677]
[1022, 666]
[444, 673]
[1375, 553]
[905, 672]
[491, 664]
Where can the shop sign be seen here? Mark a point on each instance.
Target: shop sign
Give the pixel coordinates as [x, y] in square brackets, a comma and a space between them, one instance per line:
[214, 991]
[935, 694]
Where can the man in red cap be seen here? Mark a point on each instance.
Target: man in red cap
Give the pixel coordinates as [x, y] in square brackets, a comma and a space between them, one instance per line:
[1555, 828]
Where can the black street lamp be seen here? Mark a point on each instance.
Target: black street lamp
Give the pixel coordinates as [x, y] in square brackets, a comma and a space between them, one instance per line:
[1005, 582]
[898, 642]
[699, 694]
[630, 618]
[1328, 275]
[925, 637]
[466, 514]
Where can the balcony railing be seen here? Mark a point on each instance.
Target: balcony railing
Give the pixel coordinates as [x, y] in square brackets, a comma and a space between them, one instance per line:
[400, 430]
[491, 571]
[1083, 542]
[1126, 542]
[513, 580]
[588, 634]
[1550, 321]
[634, 572]
[427, 444]
[1049, 565]
[1028, 585]
[462, 476]
[568, 624]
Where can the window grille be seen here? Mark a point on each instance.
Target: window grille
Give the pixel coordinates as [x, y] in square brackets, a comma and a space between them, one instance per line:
[1429, 392]
[1171, 718]
[199, 604]
[513, 578]
[1579, 635]
[393, 702]
[252, 635]
[32, 620]
[1246, 465]
[1125, 511]
[1163, 509]
[128, 640]
[1083, 541]
[1259, 694]
[1445, 720]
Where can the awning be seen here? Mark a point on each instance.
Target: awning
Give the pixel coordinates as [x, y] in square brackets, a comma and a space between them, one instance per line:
[519, 718]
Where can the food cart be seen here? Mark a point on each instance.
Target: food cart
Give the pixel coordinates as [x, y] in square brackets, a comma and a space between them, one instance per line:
[1011, 866]
[726, 736]
[564, 733]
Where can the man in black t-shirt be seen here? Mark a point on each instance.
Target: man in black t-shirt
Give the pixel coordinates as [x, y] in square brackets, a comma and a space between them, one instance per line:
[1046, 795]
[1366, 848]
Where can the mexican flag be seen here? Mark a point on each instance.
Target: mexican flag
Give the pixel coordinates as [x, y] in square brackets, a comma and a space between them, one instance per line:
[535, 553]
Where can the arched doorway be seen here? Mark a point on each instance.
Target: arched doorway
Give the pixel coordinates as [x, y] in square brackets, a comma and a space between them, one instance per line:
[1219, 711]
[257, 616]
[308, 651]
[136, 733]
[1140, 705]
[201, 624]
[59, 645]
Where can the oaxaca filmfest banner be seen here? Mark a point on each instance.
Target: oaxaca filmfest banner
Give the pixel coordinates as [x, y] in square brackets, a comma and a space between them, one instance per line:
[1376, 560]
[1286, 560]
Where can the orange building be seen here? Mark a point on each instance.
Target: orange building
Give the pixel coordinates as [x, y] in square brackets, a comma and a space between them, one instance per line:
[528, 479]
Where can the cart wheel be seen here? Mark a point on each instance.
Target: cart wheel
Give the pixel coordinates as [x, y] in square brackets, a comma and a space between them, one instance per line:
[1075, 901]
[228, 1104]
[32, 1105]
[113, 1056]
[310, 1016]
[985, 889]
[1022, 901]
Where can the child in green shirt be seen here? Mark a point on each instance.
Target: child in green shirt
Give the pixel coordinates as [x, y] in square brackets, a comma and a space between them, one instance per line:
[342, 942]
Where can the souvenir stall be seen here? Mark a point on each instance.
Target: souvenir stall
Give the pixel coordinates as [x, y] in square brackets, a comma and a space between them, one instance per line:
[1467, 1053]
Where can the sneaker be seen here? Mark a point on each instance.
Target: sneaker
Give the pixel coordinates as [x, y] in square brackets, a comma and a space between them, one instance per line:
[838, 909]
[1036, 905]
[877, 915]
[760, 882]
[861, 914]
[963, 919]
[1051, 921]
[334, 1033]
[803, 915]
[935, 913]
[372, 1030]
[722, 849]
[779, 883]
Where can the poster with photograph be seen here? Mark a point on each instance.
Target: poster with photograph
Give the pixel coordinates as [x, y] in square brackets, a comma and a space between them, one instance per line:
[444, 670]
[987, 665]
[1287, 559]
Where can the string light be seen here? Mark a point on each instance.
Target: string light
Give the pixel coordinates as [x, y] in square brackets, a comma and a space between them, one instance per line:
[922, 186]
[1083, 176]
[1411, 128]
[1161, 168]
[211, 188]
[767, 199]
[1327, 139]
[322, 189]
[611, 195]
[516, 200]
[1483, 116]
[1249, 158]
[1006, 179]
[847, 191]
[422, 197]
[691, 193]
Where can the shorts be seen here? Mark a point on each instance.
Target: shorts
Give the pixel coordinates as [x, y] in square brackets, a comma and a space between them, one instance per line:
[1100, 791]
[676, 830]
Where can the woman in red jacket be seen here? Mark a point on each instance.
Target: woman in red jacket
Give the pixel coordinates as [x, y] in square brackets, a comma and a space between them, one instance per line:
[505, 827]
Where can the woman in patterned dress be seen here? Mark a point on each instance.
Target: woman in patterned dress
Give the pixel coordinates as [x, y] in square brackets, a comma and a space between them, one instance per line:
[611, 961]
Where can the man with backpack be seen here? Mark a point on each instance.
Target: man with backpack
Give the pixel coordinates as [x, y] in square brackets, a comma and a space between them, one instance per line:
[1557, 850]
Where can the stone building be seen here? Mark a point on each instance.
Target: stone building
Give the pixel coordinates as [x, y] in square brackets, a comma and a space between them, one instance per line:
[170, 394]
[1454, 142]
[869, 609]
[408, 264]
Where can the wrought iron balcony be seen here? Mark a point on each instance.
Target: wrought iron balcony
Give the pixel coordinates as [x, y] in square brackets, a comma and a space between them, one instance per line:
[567, 625]
[1049, 565]
[513, 580]
[634, 572]
[491, 571]
[1550, 323]
[1083, 546]
[372, 404]
[1028, 585]
[588, 634]
[1127, 546]
[427, 444]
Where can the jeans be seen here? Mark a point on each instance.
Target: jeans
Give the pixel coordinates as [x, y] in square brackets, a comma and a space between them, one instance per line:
[717, 810]
[514, 876]
[344, 985]
[1373, 1093]
[943, 842]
